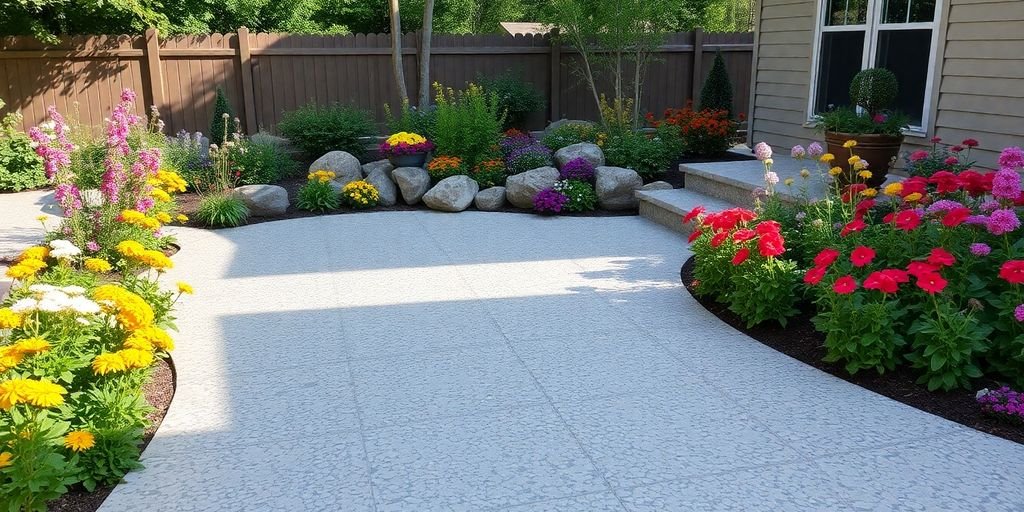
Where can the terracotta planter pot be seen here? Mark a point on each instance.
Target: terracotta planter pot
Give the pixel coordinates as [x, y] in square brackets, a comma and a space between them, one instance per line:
[879, 150]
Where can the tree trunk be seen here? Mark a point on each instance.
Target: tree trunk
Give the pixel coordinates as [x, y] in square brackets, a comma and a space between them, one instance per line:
[428, 31]
[396, 51]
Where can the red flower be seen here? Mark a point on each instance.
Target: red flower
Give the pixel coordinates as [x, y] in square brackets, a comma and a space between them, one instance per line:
[945, 182]
[742, 235]
[863, 207]
[951, 160]
[826, 257]
[936, 140]
[853, 191]
[728, 219]
[768, 227]
[853, 226]
[914, 184]
[862, 255]
[695, 235]
[1012, 271]
[693, 214]
[907, 220]
[719, 238]
[919, 268]
[975, 183]
[931, 282]
[918, 155]
[882, 282]
[971, 143]
[741, 256]
[815, 275]
[771, 245]
[956, 149]
[941, 257]
[844, 285]
[956, 216]
[900, 276]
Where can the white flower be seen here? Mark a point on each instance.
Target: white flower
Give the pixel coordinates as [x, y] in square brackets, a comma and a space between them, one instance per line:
[762, 151]
[25, 306]
[42, 288]
[771, 178]
[981, 393]
[83, 306]
[63, 249]
[73, 290]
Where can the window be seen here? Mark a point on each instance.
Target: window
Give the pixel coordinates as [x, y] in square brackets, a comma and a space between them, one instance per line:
[898, 35]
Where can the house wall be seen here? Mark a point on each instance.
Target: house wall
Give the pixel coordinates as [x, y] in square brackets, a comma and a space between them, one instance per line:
[979, 88]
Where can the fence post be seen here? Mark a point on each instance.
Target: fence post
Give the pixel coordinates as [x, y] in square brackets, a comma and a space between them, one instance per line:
[556, 75]
[698, 64]
[248, 100]
[156, 72]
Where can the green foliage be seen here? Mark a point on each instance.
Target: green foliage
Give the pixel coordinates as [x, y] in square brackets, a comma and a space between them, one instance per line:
[317, 130]
[317, 196]
[87, 162]
[409, 119]
[582, 197]
[467, 123]
[222, 211]
[261, 162]
[874, 89]
[717, 91]
[860, 333]
[713, 270]
[672, 144]
[184, 154]
[569, 134]
[529, 160]
[222, 116]
[764, 290]
[20, 167]
[947, 343]
[846, 119]
[632, 150]
[40, 470]
[517, 99]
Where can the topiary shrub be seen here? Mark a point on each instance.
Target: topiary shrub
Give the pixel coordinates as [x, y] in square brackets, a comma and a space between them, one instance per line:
[219, 127]
[874, 89]
[316, 130]
[717, 91]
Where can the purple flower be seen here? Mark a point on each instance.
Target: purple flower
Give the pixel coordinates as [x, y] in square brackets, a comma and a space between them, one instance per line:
[762, 151]
[1012, 158]
[943, 205]
[577, 169]
[127, 95]
[1018, 313]
[1006, 184]
[113, 180]
[549, 200]
[798, 151]
[144, 204]
[1002, 402]
[92, 246]
[1002, 221]
[815, 149]
[977, 220]
[980, 249]
[989, 205]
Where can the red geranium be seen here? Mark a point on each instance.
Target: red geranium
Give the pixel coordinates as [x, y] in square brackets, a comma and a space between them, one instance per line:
[844, 285]
[975, 183]
[742, 235]
[956, 216]
[900, 276]
[971, 143]
[771, 245]
[815, 275]
[882, 282]
[907, 220]
[853, 191]
[941, 257]
[945, 182]
[768, 227]
[693, 214]
[931, 282]
[719, 238]
[728, 219]
[919, 268]
[826, 257]
[693, 236]
[741, 256]
[1012, 271]
[863, 207]
[914, 184]
[853, 226]
[862, 256]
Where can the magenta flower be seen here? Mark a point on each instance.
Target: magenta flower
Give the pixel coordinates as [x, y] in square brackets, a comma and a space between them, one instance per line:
[980, 249]
[1018, 312]
[1006, 184]
[549, 200]
[1002, 221]
[1012, 157]
[92, 246]
[919, 155]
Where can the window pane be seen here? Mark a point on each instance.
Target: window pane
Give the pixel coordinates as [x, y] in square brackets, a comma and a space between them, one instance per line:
[846, 12]
[906, 53]
[840, 59]
[908, 11]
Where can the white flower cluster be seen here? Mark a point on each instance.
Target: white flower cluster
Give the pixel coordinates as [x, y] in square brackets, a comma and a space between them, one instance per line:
[53, 299]
[63, 249]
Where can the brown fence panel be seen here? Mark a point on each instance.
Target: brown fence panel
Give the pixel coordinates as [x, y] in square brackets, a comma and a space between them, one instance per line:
[274, 73]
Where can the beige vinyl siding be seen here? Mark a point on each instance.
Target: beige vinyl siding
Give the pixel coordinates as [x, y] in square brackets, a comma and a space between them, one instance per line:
[783, 72]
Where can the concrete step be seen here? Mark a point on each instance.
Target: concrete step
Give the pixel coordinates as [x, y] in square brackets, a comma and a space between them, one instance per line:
[667, 207]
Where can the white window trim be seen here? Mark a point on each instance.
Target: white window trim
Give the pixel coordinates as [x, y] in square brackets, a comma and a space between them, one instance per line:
[870, 28]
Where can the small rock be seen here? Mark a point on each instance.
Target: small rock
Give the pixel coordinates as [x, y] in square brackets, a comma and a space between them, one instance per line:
[385, 187]
[413, 182]
[380, 165]
[452, 194]
[346, 168]
[657, 185]
[520, 188]
[263, 200]
[562, 122]
[615, 187]
[591, 152]
[490, 199]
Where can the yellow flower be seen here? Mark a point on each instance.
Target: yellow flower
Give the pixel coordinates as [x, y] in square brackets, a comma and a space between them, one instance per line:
[25, 269]
[185, 288]
[869, 192]
[109, 362]
[835, 171]
[38, 252]
[860, 165]
[79, 440]
[768, 161]
[43, 393]
[155, 259]
[164, 217]
[130, 248]
[827, 157]
[12, 392]
[9, 319]
[160, 195]
[169, 181]
[788, 182]
[43, 218]
[865, 174]
[32, 345]
[135, 358]
[853, 159]
[148, 338]
[804, 173]
[10, 357]
[132, 311]
[850, 143]
[893, 189]
[5, 459]
[913, 196]
[182, 218]
[97, 265]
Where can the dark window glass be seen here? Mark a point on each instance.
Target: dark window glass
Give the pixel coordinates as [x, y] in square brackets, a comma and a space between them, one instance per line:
[846, 12]
[908, 11]
[841, 54]
[906, 54]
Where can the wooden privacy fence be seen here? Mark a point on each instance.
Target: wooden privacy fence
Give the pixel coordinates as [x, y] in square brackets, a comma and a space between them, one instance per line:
[267, 74]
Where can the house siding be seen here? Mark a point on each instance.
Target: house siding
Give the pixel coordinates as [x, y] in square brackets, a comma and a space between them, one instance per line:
[979, 89]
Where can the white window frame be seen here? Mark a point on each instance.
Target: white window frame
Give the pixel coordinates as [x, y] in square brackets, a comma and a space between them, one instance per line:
[873, 24]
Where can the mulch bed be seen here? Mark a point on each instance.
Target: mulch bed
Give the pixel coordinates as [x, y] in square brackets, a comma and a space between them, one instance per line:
[802, 342]
[159, 391]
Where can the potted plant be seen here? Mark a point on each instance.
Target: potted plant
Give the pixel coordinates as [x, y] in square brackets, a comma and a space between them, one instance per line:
[406, 149]
[876, 130]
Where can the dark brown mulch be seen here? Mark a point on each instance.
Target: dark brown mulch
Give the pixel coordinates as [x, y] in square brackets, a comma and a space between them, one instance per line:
[802, 342]
[159, 391]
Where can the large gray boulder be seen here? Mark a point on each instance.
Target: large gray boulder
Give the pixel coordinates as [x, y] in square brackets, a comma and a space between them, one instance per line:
[452, 194]
[615, 188]
[657, 185]
[380, 165]
[385, 187]
[562, 122]
[490, 199]
[263, 200]
[520, 188]
[591, 152]
[346, 168]
[413, 182]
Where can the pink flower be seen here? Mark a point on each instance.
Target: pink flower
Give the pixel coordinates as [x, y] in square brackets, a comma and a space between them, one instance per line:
[798, 151]
[1006, 184]
[880, 118]
[956, 149]
[92, 246]
[771, 178]
[128, 95]
[762, 151]
[936, 140]
[1018, 313]
[980, 249]
[1012, 158]
[919, 155]
[1003, 221]
[815, 149]
[951, 160]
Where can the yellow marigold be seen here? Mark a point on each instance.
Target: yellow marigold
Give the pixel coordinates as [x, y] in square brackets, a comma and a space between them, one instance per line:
[33, 345]
[913, 197]
[869, 192]
[835, 171]
[25, 269]
[97, 265]
[893, 189]
[79, 440]
[132, 311]
[135, 358]
[12, 392]
[155, 259]
[5, 459]
[865, 174]
[169, 181]
[185, 288]
[323, 176]
[9, 319]
[164, 217]
[130, 248]
[10, 357]
[182, 218]
[850, 143]
[160, 195]
[38, 252]
[853, 159]
[109, 362]
[827, 157]
[149, 338]
[43, 393]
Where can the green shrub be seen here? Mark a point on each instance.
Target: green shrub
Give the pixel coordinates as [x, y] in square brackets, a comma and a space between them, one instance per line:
[517, 99]
[874, 89]
[410, 119]
[569, 134]
[222, 210]
[717, 91]
[87, 162]
[184, 154]
[582, 197]
[317, 196]
[632, 150]
[20, 167]
[317, 130]
[467, 123]
[220, 126]
[261, 162]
